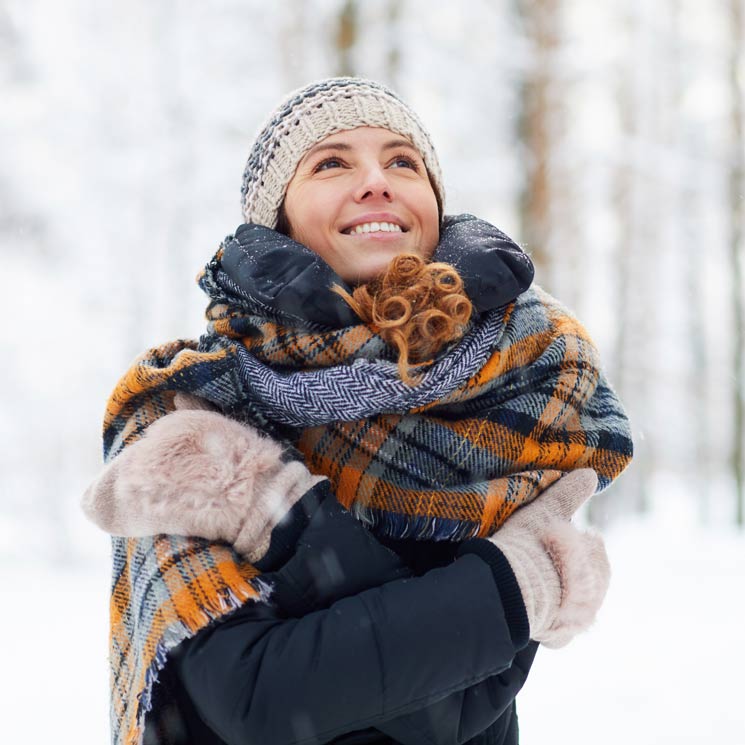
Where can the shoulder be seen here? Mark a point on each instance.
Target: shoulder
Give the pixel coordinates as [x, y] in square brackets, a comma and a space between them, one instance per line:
[538, 314]
[537, 302]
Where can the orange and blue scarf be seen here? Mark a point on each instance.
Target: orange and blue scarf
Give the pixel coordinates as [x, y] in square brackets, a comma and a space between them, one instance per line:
[496, 419]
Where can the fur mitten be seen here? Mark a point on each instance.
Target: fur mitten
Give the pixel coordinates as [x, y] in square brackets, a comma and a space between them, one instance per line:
[199, 473]
[563, 573]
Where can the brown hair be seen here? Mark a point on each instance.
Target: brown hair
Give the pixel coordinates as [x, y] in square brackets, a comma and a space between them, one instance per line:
[415, 306]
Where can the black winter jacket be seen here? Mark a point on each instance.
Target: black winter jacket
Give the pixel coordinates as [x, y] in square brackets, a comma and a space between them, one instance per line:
[411, 642]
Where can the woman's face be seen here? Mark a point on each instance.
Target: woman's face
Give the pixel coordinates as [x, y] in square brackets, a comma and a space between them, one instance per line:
[360, 197]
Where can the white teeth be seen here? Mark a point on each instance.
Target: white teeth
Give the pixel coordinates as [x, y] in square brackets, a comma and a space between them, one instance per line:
[374, 227]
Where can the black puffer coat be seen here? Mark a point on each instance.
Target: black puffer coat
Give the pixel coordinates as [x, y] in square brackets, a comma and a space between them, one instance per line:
[411, 642]
[359, 645]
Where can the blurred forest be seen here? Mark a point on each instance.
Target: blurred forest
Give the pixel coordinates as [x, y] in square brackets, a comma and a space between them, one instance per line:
[606, 137]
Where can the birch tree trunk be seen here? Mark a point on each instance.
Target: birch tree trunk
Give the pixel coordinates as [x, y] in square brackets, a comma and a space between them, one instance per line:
[737, 258]
[347, 31]
[689, 219]
[293, 44]
[392, 30]
[634, 201]
[536, 127]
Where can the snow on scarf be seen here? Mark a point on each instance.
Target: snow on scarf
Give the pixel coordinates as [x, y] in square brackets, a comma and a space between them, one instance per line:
[495, 420]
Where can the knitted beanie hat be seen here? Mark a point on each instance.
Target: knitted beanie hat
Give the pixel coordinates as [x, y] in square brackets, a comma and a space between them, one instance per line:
[311, 114]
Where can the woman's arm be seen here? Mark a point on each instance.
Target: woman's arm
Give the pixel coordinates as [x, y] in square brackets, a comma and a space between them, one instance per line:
[463, 715]
[337, 557]
[260, 678]
[325, 554]
[467, 713]
[333, 540]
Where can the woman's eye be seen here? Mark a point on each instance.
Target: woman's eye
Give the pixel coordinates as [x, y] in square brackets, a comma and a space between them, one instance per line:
[400, 161]
[328, 163]
[404, 161]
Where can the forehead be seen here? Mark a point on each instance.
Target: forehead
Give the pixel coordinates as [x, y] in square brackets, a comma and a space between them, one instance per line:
[361, 137]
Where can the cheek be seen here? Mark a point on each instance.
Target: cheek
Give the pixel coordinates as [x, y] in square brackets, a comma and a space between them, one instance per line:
[308, 224]
[293, 207]
[430, 227]
[307, 212]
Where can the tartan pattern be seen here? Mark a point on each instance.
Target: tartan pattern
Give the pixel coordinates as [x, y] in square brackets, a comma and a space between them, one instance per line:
[525, 401]
[457, 468]
[164, 589]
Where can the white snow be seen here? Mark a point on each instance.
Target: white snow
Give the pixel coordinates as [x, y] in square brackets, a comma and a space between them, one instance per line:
[663, 665]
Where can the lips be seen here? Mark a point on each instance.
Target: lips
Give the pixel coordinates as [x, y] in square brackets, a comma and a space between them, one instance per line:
[374, 223]
[374, 227]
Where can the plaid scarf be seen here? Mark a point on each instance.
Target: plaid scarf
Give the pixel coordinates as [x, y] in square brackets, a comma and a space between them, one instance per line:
[495, 420]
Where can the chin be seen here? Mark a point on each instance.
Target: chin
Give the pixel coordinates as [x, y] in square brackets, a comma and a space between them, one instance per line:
[367, 271]
[372, 272]
[361, 279]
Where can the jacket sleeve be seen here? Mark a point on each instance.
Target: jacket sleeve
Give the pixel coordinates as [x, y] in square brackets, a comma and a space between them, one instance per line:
[465, 714]
[386, 654]
[260, 678]
[336, 556]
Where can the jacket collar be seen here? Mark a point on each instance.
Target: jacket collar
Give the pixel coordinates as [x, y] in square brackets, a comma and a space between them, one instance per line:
[292, 282]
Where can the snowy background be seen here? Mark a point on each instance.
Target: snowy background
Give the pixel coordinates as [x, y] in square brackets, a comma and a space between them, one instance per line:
[607, 137]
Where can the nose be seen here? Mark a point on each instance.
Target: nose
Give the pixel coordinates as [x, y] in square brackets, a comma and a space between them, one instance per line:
[373, 183]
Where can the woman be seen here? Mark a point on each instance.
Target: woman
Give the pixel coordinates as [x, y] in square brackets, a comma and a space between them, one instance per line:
[362, 574]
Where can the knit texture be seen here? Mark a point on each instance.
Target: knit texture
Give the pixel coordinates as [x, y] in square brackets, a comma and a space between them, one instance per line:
[308, 116]
[498, 417]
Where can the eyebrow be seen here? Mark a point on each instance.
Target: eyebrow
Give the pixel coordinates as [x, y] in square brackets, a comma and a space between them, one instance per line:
[346, 147]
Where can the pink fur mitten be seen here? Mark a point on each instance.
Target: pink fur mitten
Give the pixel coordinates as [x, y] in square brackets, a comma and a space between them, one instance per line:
[563, 573]
[199, 473]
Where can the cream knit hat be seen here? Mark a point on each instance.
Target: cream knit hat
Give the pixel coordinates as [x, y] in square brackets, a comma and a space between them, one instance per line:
[309, 115]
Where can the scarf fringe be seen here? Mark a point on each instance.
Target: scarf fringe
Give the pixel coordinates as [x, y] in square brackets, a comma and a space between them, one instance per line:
[213, 609]
[420, 528]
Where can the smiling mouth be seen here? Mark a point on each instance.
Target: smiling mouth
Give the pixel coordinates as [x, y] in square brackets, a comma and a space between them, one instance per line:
[374, 227]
